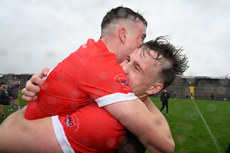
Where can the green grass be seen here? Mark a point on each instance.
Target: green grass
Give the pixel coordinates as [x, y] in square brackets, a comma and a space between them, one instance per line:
[22, 103]
[188, 129]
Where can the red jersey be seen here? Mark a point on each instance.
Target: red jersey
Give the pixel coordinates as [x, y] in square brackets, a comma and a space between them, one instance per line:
[90, 129]
[89, 74]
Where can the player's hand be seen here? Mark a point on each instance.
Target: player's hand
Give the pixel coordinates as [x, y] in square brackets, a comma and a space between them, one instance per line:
[32, 88]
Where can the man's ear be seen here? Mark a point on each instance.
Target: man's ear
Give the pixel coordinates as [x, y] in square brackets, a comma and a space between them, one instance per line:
[122, 32]
[154, 89]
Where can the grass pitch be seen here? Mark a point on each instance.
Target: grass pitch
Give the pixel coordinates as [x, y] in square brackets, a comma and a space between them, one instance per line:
[22, 103]
[197, 127]
[191, 133]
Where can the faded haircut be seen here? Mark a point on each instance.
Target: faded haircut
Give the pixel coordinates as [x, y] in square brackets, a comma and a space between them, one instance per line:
[172, 61]
[121, 13]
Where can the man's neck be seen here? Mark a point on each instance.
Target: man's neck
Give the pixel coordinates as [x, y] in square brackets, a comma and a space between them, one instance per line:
[143, 97]
[112, 46]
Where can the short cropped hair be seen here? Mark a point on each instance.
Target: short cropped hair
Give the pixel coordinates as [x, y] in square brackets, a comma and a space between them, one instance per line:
[172, 61]
[121, 13]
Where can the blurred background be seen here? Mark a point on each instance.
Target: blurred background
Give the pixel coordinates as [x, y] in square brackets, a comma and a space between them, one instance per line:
[38, 33]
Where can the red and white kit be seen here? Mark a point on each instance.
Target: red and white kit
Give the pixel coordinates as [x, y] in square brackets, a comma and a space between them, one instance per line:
[89, 74]
[90, 129]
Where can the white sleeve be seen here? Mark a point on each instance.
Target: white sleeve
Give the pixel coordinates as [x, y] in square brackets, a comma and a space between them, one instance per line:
[114, 98]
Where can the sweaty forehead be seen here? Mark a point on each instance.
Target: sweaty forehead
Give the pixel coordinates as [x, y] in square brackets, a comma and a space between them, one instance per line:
[149, 60]
[144, 53]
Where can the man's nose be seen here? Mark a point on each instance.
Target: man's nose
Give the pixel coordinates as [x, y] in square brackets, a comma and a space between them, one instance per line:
[126, 69]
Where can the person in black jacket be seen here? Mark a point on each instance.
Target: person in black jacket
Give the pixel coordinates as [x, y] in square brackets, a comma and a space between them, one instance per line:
[212, 97]
[164, 100]
[4, 99]
[13, 93]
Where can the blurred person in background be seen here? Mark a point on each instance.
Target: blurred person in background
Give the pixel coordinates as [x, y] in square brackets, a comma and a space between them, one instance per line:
[13, 90]
[212, 97]
[164, 101]
[4, 99]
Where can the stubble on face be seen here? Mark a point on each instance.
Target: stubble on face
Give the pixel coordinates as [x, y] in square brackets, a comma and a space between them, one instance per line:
[142, 70]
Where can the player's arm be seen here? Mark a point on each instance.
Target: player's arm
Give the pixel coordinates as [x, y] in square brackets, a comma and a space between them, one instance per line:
[131, 143]
[160, 121]
[137, 118]
[32, 86]
[21, 135]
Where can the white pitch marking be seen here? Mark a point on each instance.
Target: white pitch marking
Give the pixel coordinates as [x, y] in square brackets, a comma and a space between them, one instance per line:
[209, 130]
